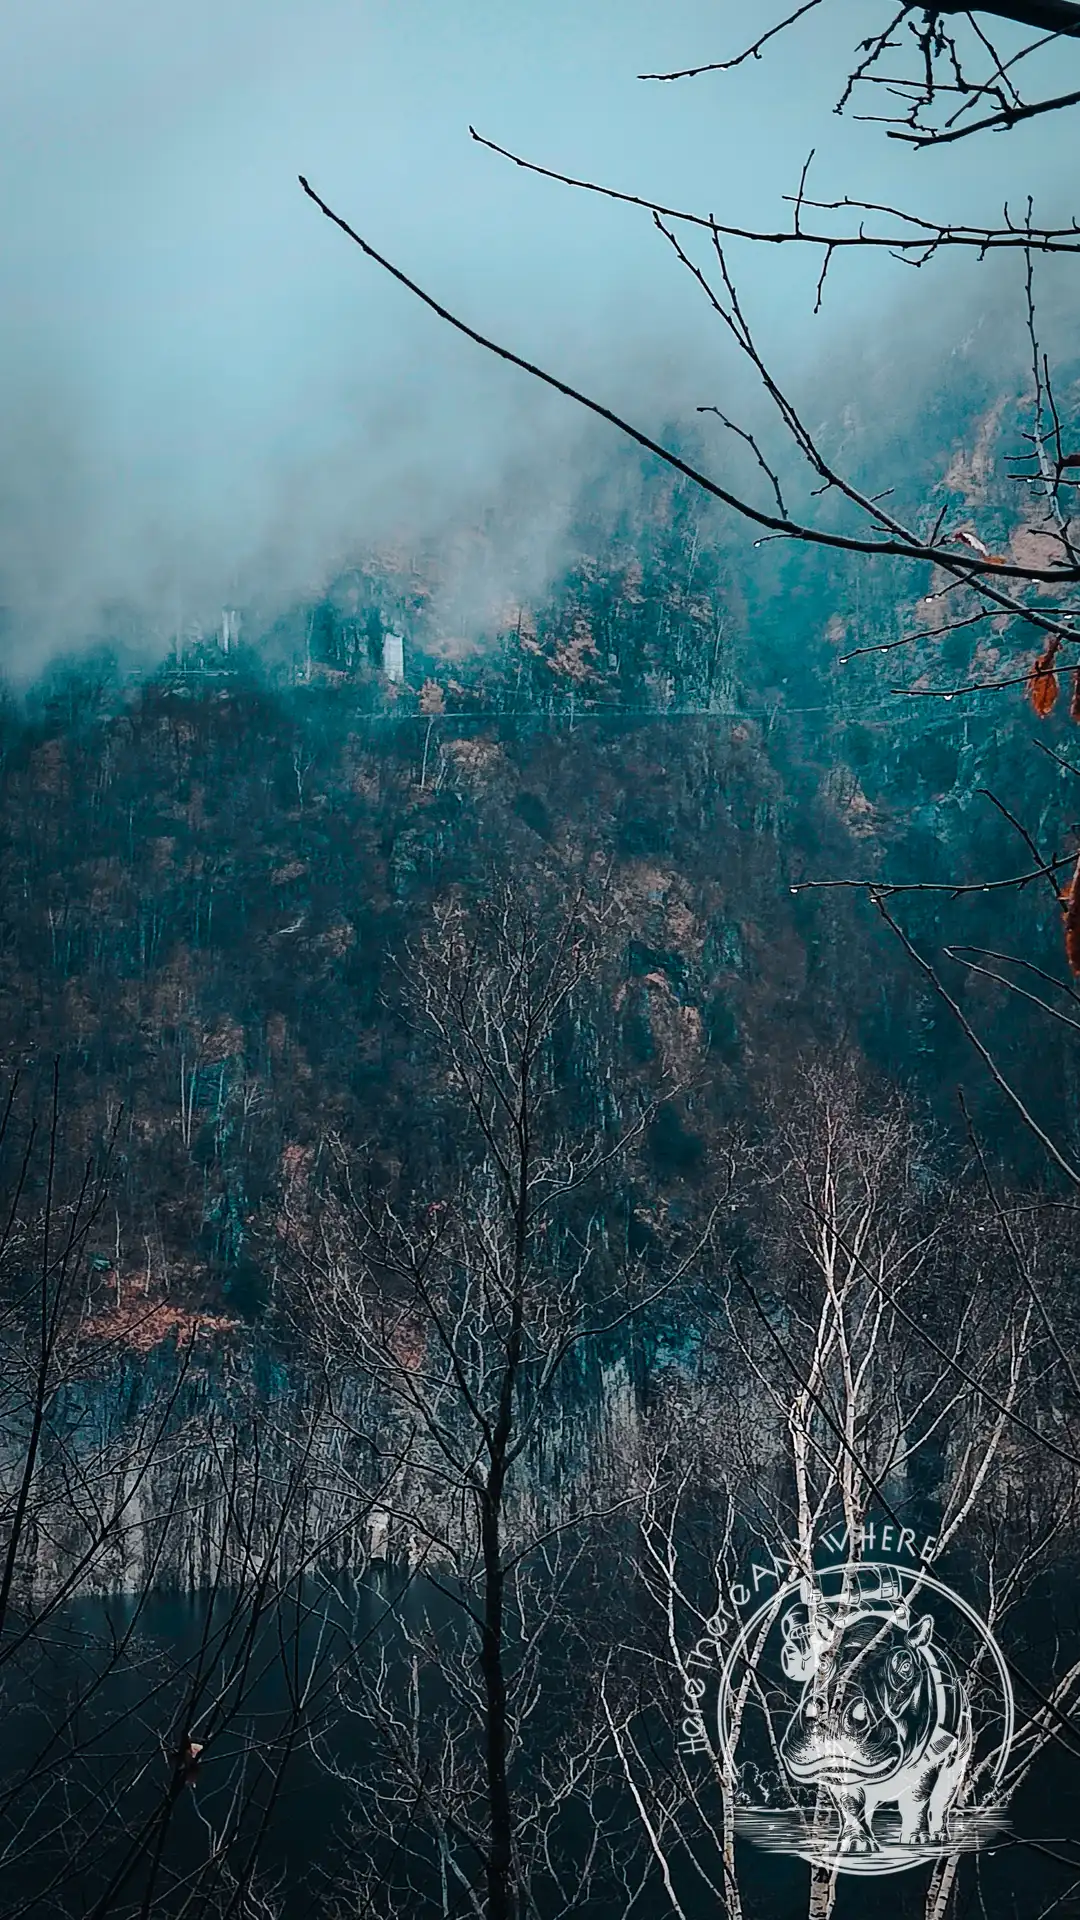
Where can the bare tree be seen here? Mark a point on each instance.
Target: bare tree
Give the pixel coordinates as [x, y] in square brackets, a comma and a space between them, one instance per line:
[140, 1774]
[908, 1405]
[470, 1315]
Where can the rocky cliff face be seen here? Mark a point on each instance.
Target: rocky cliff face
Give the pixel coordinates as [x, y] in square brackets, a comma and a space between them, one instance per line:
[161, 1474]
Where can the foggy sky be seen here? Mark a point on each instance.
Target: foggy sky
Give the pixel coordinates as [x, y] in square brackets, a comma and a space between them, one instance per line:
[205, 390]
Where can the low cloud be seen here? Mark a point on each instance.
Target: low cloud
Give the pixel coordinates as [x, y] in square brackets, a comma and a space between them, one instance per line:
[208, 396]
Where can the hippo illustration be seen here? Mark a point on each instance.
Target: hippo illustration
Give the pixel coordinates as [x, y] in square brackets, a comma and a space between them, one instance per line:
[883, 1719]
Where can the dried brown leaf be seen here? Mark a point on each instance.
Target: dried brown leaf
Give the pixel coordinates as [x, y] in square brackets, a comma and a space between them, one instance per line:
[1070, 901]
[1043, 681]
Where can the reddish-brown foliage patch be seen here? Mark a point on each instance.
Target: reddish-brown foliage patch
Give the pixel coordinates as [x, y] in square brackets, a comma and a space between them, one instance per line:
[140, 1323]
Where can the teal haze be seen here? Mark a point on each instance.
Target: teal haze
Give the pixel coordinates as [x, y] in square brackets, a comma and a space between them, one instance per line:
[205, 390]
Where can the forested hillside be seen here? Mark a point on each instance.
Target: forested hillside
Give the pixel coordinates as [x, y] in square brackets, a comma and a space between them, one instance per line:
[211, 870]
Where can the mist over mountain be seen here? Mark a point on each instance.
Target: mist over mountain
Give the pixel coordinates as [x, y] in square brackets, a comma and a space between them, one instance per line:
[208, 396]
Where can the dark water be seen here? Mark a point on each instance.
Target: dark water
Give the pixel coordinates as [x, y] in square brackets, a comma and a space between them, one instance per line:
[95, 1708]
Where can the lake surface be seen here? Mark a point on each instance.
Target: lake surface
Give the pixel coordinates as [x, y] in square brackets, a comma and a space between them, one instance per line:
[96, 1705]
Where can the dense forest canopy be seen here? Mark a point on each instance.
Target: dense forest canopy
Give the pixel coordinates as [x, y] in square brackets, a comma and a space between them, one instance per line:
[211, 867]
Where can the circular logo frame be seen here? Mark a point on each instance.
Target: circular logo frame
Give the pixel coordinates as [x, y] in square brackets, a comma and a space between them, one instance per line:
[946, 1796]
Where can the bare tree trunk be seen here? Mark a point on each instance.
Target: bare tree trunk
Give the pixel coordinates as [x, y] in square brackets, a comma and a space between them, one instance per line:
[822, 1893]
[501, 1904]
[939, 1892]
